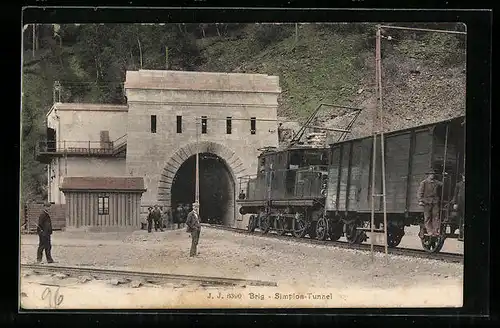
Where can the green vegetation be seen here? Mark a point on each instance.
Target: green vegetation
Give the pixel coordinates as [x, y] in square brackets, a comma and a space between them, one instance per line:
[315, 63]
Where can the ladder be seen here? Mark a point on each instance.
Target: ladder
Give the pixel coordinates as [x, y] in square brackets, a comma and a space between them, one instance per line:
[378, 129]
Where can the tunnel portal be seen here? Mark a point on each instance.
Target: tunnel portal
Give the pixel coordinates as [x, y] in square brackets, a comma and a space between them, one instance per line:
[216, 188]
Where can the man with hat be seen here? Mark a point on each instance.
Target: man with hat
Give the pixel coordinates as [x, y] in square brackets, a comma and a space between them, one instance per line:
[193, 227]
[157, 218]
[150, 218]
[44, 231]
[429, 194]
[459, 204]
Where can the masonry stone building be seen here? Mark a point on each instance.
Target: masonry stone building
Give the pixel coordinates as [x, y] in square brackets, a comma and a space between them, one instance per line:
[170, 116]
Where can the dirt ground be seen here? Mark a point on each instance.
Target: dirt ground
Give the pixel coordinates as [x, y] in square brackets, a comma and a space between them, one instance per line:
[306, 275]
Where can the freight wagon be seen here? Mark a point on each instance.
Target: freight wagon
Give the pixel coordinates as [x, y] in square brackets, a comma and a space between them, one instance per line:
[326, 192]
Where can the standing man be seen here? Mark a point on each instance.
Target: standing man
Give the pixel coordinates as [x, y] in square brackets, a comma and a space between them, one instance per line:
[44, 231]
[157, 218]
[194, 227]
[459, 205]
[150, 218]
[429, 194]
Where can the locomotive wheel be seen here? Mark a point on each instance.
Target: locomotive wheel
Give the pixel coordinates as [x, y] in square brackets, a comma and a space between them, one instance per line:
[336, 231]
[281, 225]
[394, 236]
[300, 228]
[252, 223]
[322, 228]
[265, 224]
[353, 236]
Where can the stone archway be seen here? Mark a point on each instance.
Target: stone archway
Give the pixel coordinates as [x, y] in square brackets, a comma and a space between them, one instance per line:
[233, 163]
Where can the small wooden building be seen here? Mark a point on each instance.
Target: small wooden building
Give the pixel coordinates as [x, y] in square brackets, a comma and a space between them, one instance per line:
[103, 202]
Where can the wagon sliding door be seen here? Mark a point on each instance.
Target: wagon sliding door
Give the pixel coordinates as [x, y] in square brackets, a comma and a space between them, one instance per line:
[349, 176]
[397, 154]
[365, 191]
[333, 179]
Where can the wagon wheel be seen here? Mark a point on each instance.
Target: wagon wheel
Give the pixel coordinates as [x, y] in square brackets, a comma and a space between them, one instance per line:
[322, 228]
[336, 231]
[281, 225]
[265, 223]
[300, 228]
[353, 236]
[394, 236]
[252, 223]
[431, 244]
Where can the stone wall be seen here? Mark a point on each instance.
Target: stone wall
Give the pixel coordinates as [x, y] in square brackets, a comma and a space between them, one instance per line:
[214, 95]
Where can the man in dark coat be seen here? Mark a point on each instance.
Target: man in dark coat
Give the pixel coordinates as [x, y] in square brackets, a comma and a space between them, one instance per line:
[150, 218]
[44, 231]
[459, 204]
[157, 218]
[193, 227]
[429, 196]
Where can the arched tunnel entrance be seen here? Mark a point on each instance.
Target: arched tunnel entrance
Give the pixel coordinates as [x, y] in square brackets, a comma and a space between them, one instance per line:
[216, 188]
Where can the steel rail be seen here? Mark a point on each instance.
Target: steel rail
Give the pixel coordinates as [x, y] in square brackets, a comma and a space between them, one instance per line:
[441, 256]
[148, 276]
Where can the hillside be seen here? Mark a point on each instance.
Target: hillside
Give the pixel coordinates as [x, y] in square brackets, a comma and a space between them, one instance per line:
[423, 73]
[423, 79]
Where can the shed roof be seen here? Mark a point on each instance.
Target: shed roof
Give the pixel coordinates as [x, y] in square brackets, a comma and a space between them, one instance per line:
[103, 183]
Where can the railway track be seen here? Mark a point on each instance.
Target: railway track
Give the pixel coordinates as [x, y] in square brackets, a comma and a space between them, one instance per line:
[442, 256]
[152, 277]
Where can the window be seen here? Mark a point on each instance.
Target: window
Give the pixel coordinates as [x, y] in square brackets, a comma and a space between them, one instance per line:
[228, 125]
[153, 123]
[103, 205]
[252, 125]
[179, 124]
[203, 124]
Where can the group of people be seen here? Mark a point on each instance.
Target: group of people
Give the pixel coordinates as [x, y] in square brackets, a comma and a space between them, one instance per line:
[159, 218]
[192, 220]
[182, 214]
[429, 197]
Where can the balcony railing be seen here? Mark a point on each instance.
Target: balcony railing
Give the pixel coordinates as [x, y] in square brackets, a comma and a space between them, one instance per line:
[46, 149]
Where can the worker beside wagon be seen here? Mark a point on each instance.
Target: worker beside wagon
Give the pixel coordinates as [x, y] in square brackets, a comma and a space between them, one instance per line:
[44, 231]
[429, 197]
[459, 204]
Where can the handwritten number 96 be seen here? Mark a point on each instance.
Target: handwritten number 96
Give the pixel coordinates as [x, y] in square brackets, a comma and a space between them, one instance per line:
[55, 300]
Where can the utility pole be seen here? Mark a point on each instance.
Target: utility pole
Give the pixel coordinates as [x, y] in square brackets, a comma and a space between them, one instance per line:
[197, 190]
[34, 32]
[378, 128]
